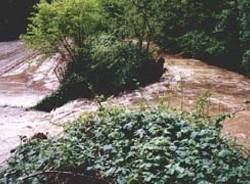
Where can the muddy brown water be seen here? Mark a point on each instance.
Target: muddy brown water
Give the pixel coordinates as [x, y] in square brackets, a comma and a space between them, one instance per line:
[26, 77]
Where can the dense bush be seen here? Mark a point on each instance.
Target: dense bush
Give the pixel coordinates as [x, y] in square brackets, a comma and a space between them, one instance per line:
[122, 146]
[170, 23]
[119, 65]
[199, 45]
[209, 30]
[97, 65]
[245, 33]
[14, 17]
[113, 66]
[135, 19]
[64, 26]
[246, 62]
[215, 31]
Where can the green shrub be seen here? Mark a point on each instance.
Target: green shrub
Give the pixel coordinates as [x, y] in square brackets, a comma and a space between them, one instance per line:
[246, 62]
[215, 31]
[132, 19]
[245, 23]
[64, 26]
[72, 87]
[113, 66]
[118, 65]
[123, 146]
[245, 34]
[200, 45]
[98, 65]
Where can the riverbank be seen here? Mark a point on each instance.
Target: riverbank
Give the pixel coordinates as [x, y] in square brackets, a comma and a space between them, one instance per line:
[25, 79]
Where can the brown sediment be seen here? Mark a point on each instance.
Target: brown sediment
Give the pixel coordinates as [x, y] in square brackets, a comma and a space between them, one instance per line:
[229, 93]
[26, 77]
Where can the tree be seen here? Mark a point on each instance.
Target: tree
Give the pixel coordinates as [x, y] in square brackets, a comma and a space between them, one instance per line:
[64, 26]
[98, 64]
[209, 30]
[245, 34]
[136, 19]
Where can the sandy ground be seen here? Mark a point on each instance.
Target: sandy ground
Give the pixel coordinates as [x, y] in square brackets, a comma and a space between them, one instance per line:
[26, 77]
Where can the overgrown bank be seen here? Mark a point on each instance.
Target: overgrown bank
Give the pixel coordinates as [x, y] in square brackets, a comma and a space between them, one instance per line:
[93, 36]
[214, 31]
[110, 66]
[99, 62]
[124, 146]
[217, 32]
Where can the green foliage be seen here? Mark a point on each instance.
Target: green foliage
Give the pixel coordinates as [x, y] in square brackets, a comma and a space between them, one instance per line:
[245, 33]
[245, 23]
[64, 26]
[215, 31]
[121, 65]
[113, 66]
[200, 45]
[136, 19]
[180, 17]
[203, 104]
[98, 64]
[246, 62]
[123, 146]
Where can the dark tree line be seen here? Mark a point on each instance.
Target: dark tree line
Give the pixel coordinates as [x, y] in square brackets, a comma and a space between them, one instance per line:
[14, 17]
[214, 31]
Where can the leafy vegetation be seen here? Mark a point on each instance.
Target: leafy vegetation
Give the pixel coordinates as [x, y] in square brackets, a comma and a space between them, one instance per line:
[133, 19]
[199, 45]
[221, 29]
[171, 23]
[124, 146]
[64, 26]
[208, 30]
[245, 34]
[121, 65]
[107, 46]
[98, 64]
[217, 32]
[113, 66]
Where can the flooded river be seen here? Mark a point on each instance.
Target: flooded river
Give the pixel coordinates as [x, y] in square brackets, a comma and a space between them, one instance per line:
[26, 77]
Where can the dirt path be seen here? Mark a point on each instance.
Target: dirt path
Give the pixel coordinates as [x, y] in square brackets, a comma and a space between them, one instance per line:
[24, 83]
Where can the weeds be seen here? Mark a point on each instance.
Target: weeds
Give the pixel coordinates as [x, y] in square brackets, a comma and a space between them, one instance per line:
[203, 104]
[132, 146]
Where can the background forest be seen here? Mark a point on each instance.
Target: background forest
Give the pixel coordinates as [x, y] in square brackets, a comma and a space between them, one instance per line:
[215, 31]
[115, 46]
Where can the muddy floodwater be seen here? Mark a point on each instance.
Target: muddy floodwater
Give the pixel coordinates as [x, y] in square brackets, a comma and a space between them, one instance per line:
[26, 77]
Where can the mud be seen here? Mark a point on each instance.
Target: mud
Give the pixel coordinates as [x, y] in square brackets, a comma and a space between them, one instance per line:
[26, 77]
[184, 84]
